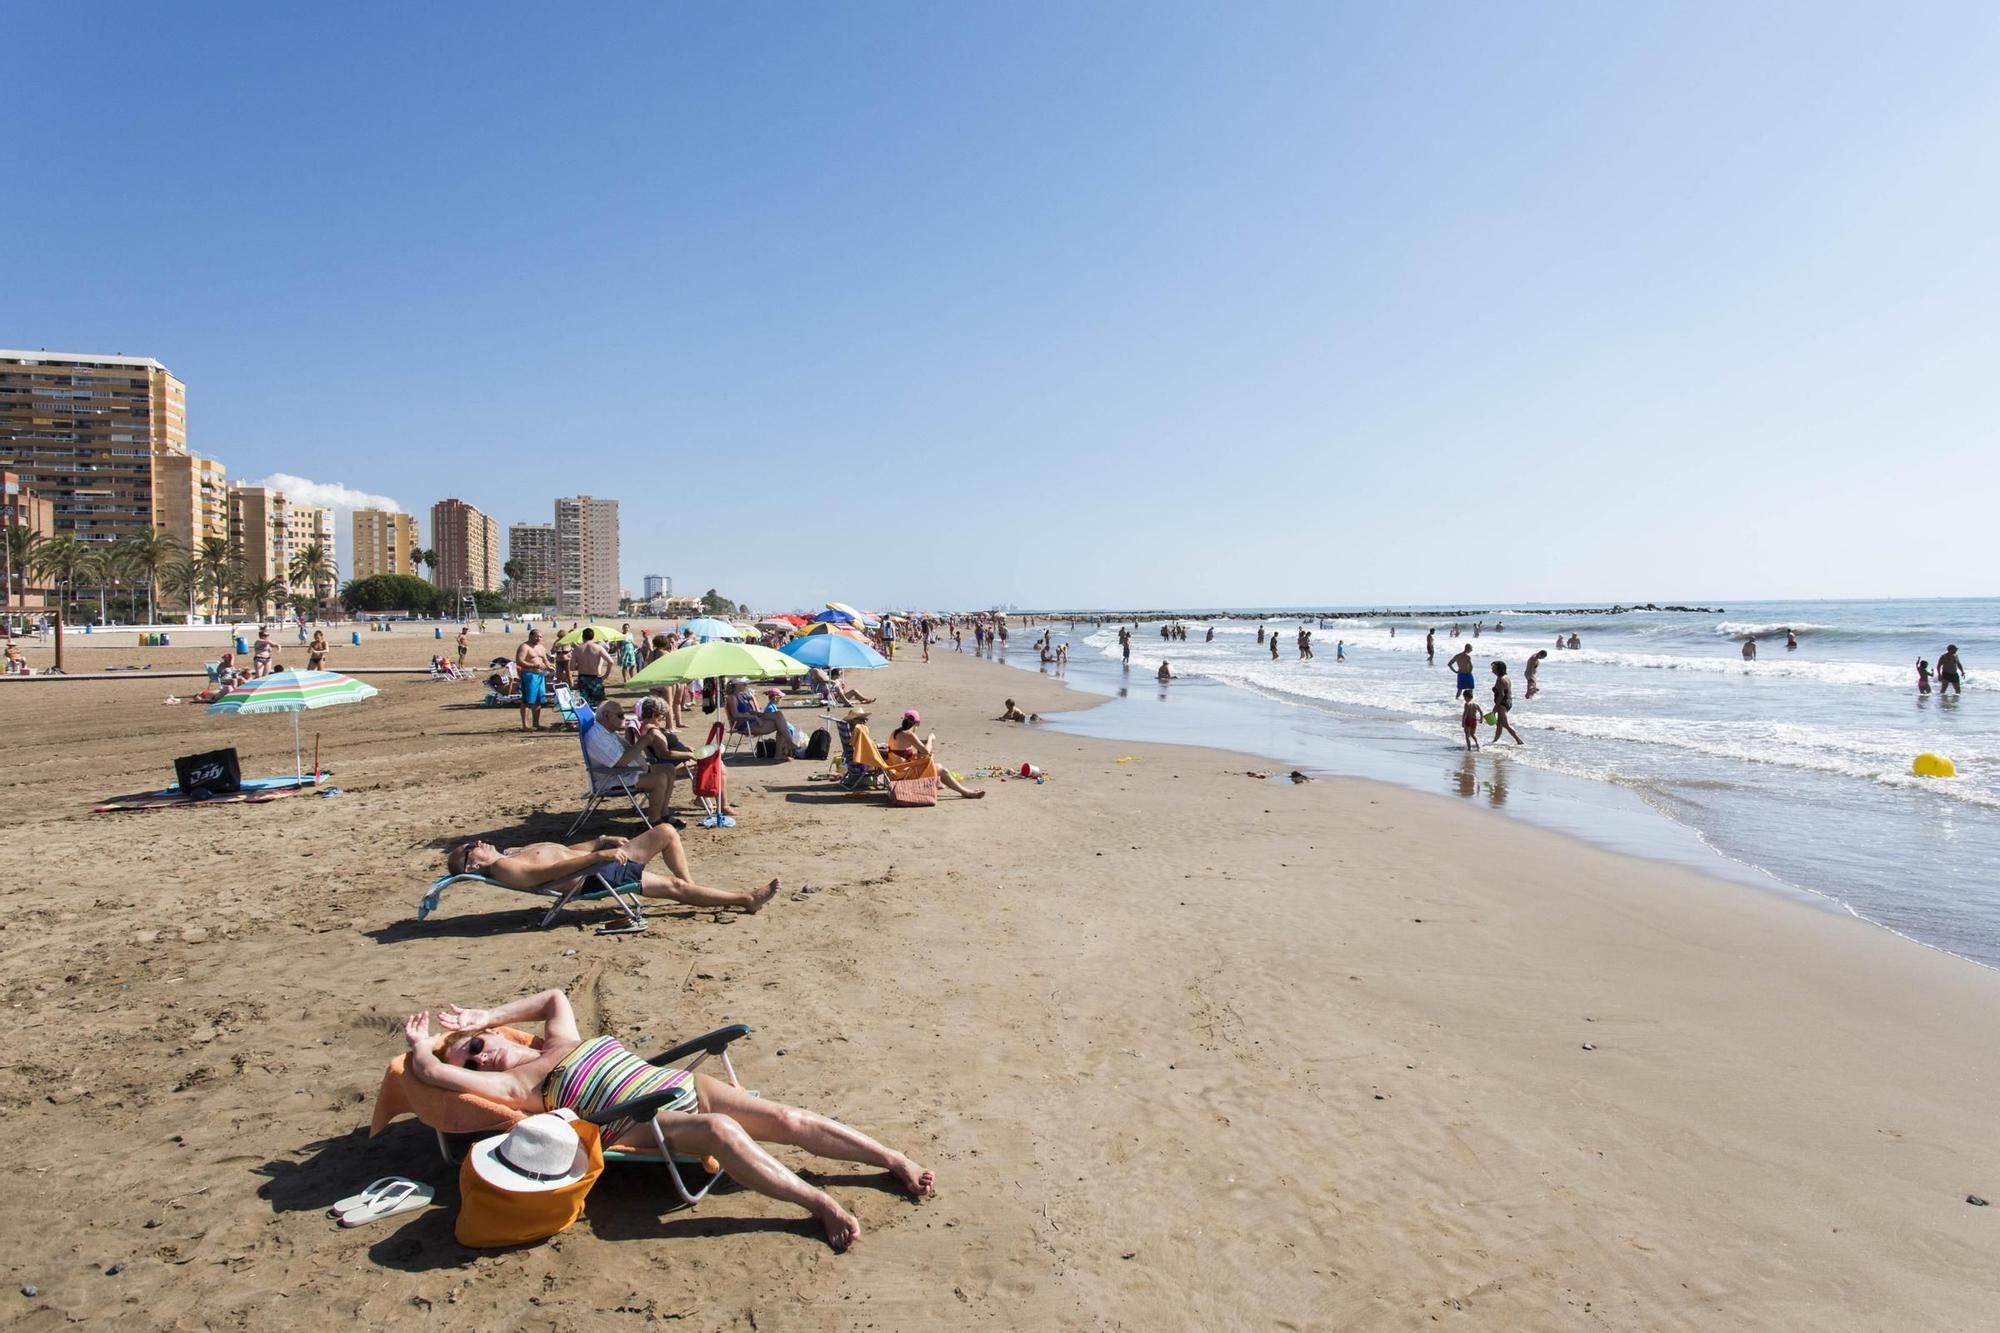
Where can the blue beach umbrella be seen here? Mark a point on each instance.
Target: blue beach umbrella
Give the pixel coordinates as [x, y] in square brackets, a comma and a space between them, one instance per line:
[708, 627]
[836, 651]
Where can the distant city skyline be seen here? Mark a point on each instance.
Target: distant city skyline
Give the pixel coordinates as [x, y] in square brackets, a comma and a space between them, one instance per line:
[1304, 303]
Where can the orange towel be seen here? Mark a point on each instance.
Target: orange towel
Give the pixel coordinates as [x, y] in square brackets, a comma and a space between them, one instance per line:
[403, 1093]
[901, 770]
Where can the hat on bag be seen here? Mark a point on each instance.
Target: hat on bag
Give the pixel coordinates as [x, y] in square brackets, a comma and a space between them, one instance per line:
[540, 1153]
[857, 715]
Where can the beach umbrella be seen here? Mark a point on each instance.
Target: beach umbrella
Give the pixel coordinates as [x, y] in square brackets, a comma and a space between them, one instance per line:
[702, 661]
[775, 622]
[824, 627]
[708, 627]
[293, 692]
[838, 650]
[602, 633]
[833, 617]
[842, 608]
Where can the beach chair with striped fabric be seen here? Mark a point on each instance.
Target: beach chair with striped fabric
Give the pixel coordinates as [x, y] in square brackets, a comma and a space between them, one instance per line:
[461, 1119]
[567, 703]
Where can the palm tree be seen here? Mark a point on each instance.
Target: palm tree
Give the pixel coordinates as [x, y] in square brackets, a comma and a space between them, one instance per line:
[182, 577]
[429, 558]
[260, 593]
[100, 566]
[21, 544]
[511, 572]
[220, 563]
[60, 560]
[313, 568]
[148, 552]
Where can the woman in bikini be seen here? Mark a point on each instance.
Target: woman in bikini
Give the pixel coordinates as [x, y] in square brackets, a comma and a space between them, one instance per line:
[903, 744]
[316, 651]
[713, 1118]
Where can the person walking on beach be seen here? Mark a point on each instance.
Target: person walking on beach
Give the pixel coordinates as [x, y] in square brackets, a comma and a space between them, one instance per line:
[1430, 646]
[1949, 669]
[1461, 663]
[1468, 719]
[316, 651]
[531, 660]
[1534, 662]
[1503, 700]
[260, 655]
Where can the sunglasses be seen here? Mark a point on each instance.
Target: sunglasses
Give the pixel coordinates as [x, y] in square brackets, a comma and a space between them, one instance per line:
[472, 1048]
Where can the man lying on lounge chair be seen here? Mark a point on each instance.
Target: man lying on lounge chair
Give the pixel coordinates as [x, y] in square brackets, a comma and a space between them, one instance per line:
[621, 861]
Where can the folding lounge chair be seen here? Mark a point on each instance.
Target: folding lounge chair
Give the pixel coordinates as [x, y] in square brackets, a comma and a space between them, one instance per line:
[854, 775]
[567, 703]
[692, 1178]
[592, 888]
[604, 782]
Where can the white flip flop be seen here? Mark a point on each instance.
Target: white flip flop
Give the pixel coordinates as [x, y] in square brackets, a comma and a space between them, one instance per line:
[353, 1201]
[405, 1196]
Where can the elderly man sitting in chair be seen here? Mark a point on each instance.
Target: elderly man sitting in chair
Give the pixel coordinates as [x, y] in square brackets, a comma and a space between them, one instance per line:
[620, 861]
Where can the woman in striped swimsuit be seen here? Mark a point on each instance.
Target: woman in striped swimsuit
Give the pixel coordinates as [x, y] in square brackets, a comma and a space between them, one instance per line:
[712, 1119]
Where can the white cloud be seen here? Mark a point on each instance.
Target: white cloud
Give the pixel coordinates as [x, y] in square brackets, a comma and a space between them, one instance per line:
[343, 500]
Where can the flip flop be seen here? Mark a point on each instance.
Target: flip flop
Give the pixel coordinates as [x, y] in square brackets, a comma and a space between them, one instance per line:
[404, 1196]
[353, 1201]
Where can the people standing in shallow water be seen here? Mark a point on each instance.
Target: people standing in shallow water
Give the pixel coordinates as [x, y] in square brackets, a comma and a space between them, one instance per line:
[1211, 634]
[1274, 647]
[1430, 647]
[1461, 663]
[1575, 642]
[1165, 674]
[1923, 675]
[1339, 650]
[1949, 669]
[1503, 702]
[1468, 719]
[1534, 663]
[1260, 636]
[1749, 650]
[1791, 641]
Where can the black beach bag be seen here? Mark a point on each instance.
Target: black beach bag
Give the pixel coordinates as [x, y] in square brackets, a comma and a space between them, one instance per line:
[821, 744]
[216, 773]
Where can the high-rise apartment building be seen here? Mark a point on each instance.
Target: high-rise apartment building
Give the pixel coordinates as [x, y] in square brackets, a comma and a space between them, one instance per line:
[190, 499]
[467, 543]
[260, 526]
[658, 585]
[531, 549]
[86, 433]
[586, 556]
[309, 524]
[384, 543]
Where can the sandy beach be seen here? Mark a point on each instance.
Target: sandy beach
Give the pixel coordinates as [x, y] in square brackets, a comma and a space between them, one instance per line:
[1187, 1049]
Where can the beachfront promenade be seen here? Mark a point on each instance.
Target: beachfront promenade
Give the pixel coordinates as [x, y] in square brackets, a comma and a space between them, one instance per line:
[1186, 1049]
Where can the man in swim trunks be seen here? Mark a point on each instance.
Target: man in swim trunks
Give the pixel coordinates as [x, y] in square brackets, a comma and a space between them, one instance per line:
[1949, 669]
[1462, 664]
[531, 660]
[621, 861]
[1430, 647]
[590, 664]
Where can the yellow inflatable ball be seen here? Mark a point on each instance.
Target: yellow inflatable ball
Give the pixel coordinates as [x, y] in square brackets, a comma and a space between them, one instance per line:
[1933, 766]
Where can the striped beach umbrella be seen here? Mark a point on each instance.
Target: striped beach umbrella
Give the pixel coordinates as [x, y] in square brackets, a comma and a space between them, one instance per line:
[293, 692]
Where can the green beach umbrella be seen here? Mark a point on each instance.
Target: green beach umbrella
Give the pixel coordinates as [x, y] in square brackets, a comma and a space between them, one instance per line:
[293, 692]
[722, 657]
[603, 632]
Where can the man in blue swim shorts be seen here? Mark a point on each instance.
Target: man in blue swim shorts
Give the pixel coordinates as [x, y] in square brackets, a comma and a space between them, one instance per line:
[1462, 664]
[532, 661]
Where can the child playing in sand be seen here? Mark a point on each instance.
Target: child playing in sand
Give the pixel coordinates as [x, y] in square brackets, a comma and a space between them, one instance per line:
[1468, 718]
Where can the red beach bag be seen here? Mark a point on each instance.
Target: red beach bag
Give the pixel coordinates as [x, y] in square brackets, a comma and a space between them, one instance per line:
[708, 772]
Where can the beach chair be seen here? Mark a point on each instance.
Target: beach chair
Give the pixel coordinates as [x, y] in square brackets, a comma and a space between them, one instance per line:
[567, 703]
[605, 782]
[739, 724]
[854, 775]
[461, 1119]
[593, 887]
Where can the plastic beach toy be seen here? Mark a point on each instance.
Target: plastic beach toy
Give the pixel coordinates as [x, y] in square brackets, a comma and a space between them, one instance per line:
[1933, 766]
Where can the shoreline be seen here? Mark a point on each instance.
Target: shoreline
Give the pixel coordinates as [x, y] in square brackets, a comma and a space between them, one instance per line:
[1185, 1049]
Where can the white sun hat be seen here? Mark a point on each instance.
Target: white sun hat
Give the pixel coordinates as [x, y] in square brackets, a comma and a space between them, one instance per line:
[540, 1153]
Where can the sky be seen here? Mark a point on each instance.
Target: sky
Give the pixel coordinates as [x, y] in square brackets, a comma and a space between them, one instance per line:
[1106, 305]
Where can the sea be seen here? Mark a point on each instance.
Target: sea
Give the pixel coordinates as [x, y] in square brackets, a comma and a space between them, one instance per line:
[1790, 773]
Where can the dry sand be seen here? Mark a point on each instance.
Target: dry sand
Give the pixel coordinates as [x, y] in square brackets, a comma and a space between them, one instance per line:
[1187, 1050]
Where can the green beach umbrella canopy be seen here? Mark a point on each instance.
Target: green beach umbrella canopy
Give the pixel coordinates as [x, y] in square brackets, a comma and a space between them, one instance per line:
[293, 692]
[702, 661]
[603, 632]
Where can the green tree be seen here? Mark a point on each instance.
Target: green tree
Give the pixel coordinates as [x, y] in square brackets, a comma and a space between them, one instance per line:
[21, 543]
[393, 592]
[220, 562]
[181, 577]
[511, 573]
[61, 561]
[428, 558]
[312, 567]
[260, 593]
[147, 553]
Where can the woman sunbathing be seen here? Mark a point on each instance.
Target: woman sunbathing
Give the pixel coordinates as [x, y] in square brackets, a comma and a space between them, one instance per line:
[712, 1119]
[903, 744]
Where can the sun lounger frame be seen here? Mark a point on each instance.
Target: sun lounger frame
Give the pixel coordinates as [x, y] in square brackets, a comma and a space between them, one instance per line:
[592, 887]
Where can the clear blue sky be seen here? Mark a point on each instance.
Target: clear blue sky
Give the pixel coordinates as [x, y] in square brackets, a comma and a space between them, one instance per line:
[1136, 305]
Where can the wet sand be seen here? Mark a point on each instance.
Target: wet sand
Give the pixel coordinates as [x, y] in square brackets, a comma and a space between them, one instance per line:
[1186, 1049]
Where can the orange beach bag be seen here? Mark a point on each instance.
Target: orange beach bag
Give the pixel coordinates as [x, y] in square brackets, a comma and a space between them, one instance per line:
[491, 1218]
